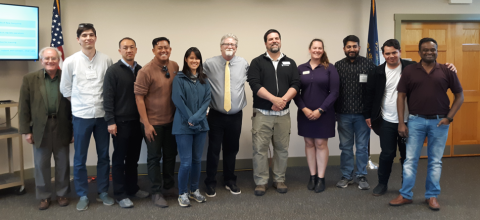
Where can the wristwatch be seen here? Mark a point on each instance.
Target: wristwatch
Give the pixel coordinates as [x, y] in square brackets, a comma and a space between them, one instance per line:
[449, 119]
[321, 110]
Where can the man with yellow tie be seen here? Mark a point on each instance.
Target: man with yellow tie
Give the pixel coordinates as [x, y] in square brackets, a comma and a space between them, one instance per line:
[227, 74]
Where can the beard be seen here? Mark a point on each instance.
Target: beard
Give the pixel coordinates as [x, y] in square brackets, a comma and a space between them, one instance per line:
[229, 52]
[275, 50]
[352, 55]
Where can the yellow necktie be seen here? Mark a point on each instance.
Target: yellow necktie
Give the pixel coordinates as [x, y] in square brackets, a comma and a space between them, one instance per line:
[227, 103]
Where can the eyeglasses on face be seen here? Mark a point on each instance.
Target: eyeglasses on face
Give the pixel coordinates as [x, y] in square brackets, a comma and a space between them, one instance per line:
[167, 74]
[229, 45]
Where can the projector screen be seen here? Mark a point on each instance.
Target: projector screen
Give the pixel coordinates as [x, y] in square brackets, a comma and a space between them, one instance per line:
[18, 32]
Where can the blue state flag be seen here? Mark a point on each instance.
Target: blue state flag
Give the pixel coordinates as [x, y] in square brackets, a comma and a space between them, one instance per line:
[372, 47]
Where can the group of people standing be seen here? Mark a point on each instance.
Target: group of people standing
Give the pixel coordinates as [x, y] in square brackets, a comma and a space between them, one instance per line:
[173, 111]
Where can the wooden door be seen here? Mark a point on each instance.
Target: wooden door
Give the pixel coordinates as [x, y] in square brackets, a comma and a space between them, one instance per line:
[458, 43]
[466, 132]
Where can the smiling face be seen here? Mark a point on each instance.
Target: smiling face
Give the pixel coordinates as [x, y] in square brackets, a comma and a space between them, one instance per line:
[316, 50]
[193, 62]
[391, 55]
[50, 60]
[228, 47]
[87, 39]
[351, 50]
[128, 50]
[428, 52]
[162, 50]
[273, 43]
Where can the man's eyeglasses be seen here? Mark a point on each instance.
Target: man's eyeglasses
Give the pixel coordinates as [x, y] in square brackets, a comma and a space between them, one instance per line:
[231, 45]
[167, 74]
[85, 25]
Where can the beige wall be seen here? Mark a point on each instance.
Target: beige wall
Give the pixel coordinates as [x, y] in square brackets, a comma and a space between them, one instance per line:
[201, 23]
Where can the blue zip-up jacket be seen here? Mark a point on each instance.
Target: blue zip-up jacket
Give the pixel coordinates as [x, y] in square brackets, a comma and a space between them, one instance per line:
[192, 100]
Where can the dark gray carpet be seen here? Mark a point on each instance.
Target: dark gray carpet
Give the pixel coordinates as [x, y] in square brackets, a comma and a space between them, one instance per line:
[460, 199]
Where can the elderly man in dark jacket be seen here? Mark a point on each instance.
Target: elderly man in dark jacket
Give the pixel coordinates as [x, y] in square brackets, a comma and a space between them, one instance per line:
[46, 122]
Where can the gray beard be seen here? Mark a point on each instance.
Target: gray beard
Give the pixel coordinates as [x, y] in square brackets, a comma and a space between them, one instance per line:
[274, 50]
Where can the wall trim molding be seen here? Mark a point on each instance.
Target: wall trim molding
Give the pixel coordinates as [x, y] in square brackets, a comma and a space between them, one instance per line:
[240, 165]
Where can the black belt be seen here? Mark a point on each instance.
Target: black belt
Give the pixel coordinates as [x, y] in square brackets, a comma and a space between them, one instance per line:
[431, 116]
[52, 116]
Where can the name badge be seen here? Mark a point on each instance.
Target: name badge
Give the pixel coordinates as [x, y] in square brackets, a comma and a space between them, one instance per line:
[306, 72]
[363, 78]
[286, 63]
[91, 74]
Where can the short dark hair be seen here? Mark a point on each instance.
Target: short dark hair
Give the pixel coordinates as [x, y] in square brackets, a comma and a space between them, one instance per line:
[391, 43]
[158, 39]
[424, 40]
[201, 76]
[351, 38]
[85, 27]
[126, 38]
[269, 32]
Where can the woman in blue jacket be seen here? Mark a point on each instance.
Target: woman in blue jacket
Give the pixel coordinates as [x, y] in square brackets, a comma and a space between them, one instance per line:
[191, 95]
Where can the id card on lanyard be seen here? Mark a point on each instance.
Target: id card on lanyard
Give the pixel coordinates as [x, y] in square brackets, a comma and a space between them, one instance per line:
[363, 78]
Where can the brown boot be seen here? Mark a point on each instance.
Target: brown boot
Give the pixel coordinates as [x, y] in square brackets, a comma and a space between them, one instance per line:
[44, 204]
[280, 186]
[433, 203]
[400, 201]
[62, 201]
[260, 190]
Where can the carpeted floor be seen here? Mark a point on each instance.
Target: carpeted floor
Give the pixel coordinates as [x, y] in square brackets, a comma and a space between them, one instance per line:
[460, 199]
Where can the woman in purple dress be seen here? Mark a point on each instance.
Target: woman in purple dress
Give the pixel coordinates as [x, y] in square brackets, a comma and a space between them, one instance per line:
[316, 115]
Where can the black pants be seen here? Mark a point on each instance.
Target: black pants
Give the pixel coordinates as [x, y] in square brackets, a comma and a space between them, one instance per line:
[224, 131]
[163, 146]
[389, 139]
[127, 145]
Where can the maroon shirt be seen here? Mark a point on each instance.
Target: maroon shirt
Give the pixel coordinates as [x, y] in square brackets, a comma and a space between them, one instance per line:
[427, 93]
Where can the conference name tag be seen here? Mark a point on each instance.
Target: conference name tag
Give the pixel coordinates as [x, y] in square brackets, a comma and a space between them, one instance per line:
[286, 63]
[91, 74]
[306, 72]
[363, 78]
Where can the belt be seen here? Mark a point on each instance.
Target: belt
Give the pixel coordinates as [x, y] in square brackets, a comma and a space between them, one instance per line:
[432, 116]
[52, 116]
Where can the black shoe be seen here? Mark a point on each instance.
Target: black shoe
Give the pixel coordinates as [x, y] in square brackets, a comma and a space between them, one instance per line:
[380, 189]
[210, 191]
[233, 188]
[320, 186]
[312, 182]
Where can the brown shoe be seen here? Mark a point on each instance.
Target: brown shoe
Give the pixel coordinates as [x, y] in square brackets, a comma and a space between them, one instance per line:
[260, 190]
[44, 204]
[433, 203]
[159, 201]
[62, 201]
[280, 186]
[400, 201]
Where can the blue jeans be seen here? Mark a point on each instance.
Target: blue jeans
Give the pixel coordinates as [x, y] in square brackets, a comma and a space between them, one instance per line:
[190, 150]
[353, 129]
[418, 129]
[82, 131]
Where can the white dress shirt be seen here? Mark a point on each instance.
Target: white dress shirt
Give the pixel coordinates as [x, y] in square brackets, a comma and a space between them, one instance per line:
[82, 80]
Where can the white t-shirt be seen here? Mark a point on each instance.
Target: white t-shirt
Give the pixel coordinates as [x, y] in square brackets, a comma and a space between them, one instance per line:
[389, 102]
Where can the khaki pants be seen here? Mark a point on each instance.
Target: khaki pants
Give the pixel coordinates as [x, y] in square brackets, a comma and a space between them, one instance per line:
[264, 129]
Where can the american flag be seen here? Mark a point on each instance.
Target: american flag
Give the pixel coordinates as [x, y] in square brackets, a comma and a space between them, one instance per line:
[57, 35]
